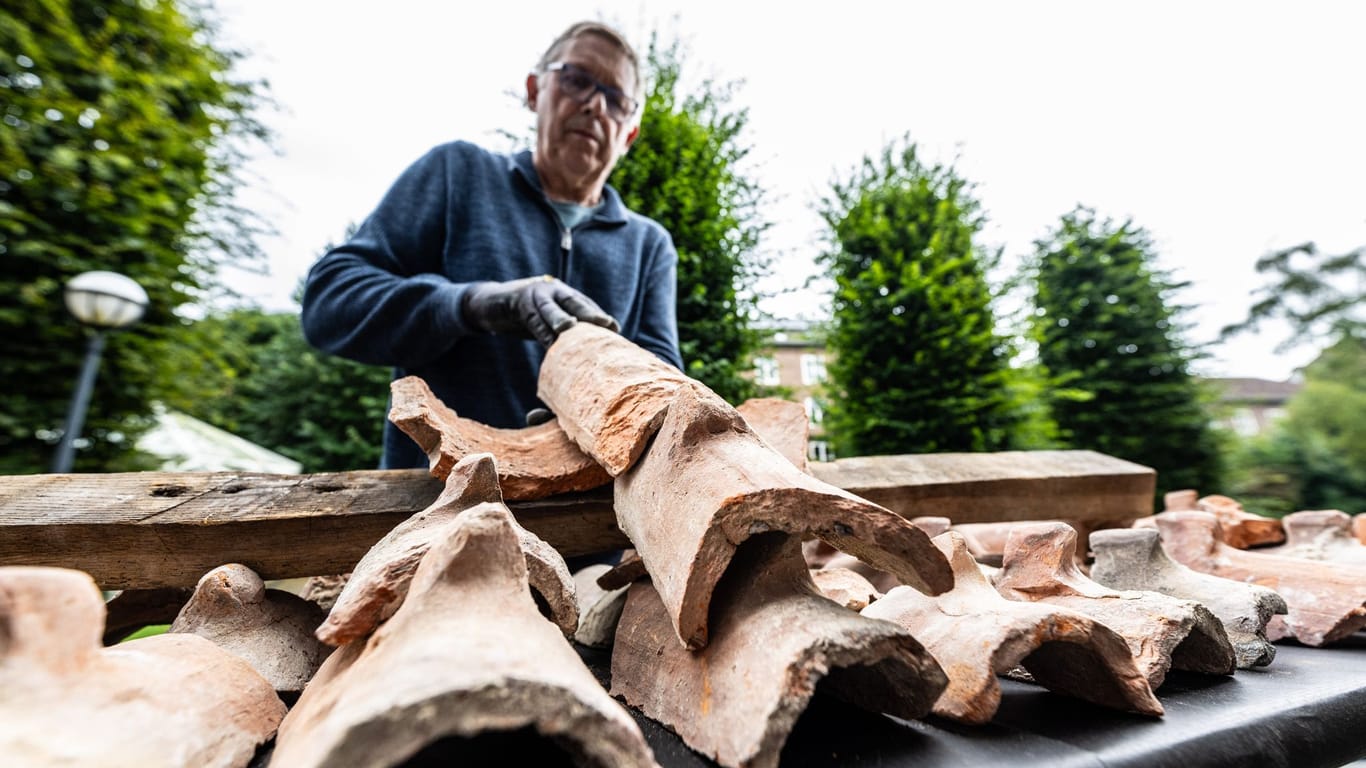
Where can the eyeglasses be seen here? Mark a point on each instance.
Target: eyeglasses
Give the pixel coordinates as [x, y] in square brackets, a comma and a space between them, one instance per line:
[579, 85]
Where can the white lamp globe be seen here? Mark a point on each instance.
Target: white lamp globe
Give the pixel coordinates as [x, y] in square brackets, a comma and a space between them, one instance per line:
[105, 299]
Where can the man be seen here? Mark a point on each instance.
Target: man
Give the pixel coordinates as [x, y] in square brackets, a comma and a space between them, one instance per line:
[474, 262]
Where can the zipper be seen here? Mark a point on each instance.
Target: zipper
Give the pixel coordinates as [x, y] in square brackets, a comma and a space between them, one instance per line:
[566, 247]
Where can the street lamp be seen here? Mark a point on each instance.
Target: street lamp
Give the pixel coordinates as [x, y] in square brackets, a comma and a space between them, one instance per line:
[101, 301]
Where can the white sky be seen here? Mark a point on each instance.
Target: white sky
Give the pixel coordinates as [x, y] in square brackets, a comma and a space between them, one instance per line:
[1227, 129]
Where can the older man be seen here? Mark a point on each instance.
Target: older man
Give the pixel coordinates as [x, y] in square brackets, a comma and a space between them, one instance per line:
[474, 261]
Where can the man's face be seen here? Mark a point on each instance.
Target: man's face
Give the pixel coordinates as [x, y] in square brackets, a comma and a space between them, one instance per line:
[578, 142]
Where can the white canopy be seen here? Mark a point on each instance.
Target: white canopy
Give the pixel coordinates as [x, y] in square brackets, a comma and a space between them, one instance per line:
[187, 444]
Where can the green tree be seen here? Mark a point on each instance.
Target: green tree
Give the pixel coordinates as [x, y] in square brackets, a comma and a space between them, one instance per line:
[1103, 327]
[1314, 457]
[919, 365]
[122, 123]
[1321, 295]
[323, 411]
[686, 171]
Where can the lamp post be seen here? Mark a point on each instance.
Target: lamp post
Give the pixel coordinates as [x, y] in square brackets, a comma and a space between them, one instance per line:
[101, 301]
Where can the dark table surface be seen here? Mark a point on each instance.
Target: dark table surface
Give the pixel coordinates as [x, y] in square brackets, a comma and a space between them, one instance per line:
[1307, 709]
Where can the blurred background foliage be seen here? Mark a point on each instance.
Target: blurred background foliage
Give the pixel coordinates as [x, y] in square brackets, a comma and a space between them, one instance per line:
[324, 412]
[124, 137]
[123, 132]
[1314, 457]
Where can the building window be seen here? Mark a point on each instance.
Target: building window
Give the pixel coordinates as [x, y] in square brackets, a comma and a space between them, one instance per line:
[1244, 422]
[766, 371]
[818, 450]
[813, 369]
[814, 413]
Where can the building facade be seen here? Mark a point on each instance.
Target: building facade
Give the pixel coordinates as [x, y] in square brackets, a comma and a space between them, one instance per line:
[1250, 406]
[795, 358]
[794, 361]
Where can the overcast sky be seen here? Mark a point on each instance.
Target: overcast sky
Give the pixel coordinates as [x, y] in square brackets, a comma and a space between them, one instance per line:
[1227, 129]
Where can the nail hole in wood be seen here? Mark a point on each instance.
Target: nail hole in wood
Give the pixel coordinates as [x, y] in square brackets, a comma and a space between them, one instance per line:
[170, 491]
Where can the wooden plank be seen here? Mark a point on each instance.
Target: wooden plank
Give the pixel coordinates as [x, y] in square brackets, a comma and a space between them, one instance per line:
[998, 487]
[142, 530]
[154, 529]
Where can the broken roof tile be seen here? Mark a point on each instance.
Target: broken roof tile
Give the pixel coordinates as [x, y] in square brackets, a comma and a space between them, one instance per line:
[1326, 601]
[1134, 559]
[166, 700]
[599, 608]
[1180, 500]
[466, 653]
[1241, 529]
[976, 635]
[1162, 632]
[1321, 534]
[608, 394]
[533, 463]
[380, 580]
[782, 424]
[846, 587]
[270, 629]
[709, 483]
[774, 638]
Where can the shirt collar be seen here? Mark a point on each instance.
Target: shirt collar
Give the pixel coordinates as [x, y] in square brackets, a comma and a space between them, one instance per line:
[612, 210]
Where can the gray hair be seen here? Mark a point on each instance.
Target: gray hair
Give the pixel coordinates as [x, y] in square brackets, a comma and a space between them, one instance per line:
[602, 31]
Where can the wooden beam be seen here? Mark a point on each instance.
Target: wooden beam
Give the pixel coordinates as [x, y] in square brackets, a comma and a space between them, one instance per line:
[999, 487]
[167, 529]
[142, 530]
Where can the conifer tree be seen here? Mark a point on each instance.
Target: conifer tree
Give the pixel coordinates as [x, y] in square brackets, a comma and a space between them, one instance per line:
[918, 365]
[1103, 327]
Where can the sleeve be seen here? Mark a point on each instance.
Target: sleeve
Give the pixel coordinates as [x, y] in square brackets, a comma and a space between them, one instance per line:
[659, 316]
[381, 297]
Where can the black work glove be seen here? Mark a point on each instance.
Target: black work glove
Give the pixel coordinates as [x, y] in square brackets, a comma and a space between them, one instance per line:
[539, 308]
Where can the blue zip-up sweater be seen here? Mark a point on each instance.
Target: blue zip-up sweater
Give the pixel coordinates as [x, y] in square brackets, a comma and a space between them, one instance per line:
[391, 295]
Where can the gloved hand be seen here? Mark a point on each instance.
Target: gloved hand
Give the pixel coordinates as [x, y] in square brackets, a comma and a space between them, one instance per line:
[538, 308]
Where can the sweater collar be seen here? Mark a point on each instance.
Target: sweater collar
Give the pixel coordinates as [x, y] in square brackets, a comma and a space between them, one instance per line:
[612, 210]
